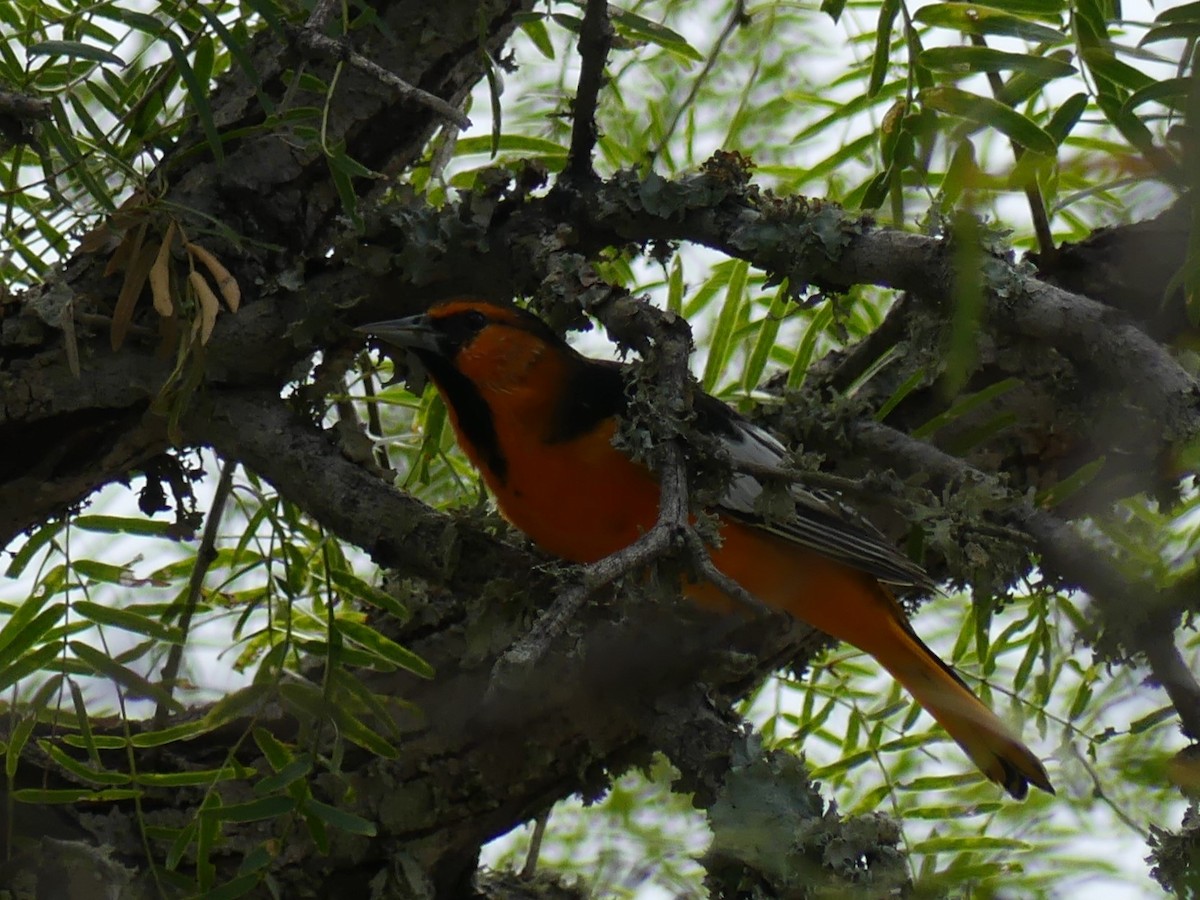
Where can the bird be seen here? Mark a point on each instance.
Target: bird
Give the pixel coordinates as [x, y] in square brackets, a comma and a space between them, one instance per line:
[537, 419]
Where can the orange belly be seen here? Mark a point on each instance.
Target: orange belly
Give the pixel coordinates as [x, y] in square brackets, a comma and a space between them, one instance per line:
[583, 502]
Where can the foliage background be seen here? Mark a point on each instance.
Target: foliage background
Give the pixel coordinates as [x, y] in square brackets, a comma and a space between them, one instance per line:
[817, 106]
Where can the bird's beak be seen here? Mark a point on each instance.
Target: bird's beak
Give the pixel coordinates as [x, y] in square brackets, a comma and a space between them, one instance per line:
[412, 333]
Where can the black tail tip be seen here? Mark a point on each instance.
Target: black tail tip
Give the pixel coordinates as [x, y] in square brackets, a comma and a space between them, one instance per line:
[1017, 780]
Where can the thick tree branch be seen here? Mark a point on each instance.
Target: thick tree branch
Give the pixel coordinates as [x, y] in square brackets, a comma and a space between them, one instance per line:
[814, 242]
[311, 40]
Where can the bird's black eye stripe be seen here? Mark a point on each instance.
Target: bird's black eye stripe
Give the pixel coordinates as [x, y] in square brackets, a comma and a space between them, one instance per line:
[458, 329]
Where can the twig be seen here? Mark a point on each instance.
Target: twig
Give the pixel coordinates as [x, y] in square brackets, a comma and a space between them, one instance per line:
[1037, 206]
[595, 39]
[374, 422]
[321, 14]
[535, 844]
[736, 18]
[310, 39]
[1156, 641]
[206, 554]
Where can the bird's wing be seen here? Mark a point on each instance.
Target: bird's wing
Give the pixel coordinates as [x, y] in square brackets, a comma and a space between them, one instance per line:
[821, 522]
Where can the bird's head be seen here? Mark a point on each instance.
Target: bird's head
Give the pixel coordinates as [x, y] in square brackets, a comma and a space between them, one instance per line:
[491, 344]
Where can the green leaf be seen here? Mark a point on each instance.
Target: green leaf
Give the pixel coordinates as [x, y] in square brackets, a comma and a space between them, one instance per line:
[252, 810]
[974, 18]
[198, 94]
[965, 405]
[237, 50]
[1069, 486]
[721, 340]
[1066, 117]
[234, 888]
[535, 29]
[122, 525]
[275, 751]
[882, 56]
[171, 734]
[14, 644]
[368, 593]
[1171, 92]
[357, 732]
[236, 705]
[102, 572]
[75, 50]
[340, 818]
[1146, 722]
[293, 771]
[808, 345]
[195, 777]
[82, 769]
[517, 143]
[833, 8]
[36, 542]
[992, 113]
[1102, 63]
[385, 648]
[101, 741]
[675, 287]
[969, 843]
[179, 846]
[988, 59]
[643, 29]
[905, 388]
[127, 678]
[768, 330]
[74, 795]
[876, 190]
[1177, 31]
[129, 621]
[83, 722]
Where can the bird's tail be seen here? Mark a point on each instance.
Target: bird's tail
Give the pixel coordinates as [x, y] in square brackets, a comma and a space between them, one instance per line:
[854, 607]
[986, 740]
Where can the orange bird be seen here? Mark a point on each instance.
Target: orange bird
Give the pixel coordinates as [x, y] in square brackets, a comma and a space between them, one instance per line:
[538, 420]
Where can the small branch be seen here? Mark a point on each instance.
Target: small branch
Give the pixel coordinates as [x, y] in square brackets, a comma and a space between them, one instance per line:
[1158, 643]
[1037, 206]
[737, 17]
[535, 844]
[595, 39]
[374, 422]
[311, 40]
[526, 652]
[206, 554]
[321, 14]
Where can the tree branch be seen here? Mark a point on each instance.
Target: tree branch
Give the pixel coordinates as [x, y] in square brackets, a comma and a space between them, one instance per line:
[595, 38]
[1143, 619]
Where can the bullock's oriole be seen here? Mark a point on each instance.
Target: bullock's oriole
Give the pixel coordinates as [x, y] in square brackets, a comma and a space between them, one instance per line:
[538, 420]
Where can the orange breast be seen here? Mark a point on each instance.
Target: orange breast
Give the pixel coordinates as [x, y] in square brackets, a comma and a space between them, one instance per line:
[581, 499]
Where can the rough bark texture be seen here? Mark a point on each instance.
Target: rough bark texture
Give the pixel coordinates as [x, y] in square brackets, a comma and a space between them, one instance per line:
[631, 677]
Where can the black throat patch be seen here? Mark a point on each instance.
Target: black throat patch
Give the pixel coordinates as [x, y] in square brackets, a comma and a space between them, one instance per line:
[595, 391]
[473, 414]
